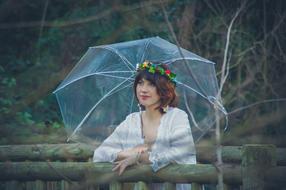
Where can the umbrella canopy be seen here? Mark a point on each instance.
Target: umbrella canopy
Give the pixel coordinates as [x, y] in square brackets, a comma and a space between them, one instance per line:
[97, 94]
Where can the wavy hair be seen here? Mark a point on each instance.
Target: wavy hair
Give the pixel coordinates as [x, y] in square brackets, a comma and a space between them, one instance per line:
[165, 88]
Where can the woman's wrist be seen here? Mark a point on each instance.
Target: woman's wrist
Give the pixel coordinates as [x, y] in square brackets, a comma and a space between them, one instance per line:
[138, 155]
[144, 157]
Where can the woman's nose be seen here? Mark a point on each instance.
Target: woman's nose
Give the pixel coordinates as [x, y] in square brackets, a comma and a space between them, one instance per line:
[144, 88]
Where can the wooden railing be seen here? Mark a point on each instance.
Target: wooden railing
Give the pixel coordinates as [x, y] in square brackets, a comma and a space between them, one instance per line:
[69, 166]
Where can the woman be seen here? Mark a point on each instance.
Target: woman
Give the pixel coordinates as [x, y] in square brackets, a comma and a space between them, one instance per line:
[158, 135]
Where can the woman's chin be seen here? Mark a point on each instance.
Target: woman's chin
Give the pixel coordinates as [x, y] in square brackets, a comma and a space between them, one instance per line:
[143, 104]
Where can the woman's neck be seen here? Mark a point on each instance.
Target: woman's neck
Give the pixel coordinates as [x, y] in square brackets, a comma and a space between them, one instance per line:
[152, 113]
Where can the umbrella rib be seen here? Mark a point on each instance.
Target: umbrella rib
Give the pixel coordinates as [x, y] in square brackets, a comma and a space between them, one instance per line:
[125, 60]
[120, 89]
[187, 68]
[90, 111]
[87, 75]
[191, 113]
[208, 98]
[115, 72]
[221, 108]
[189, 58]
[132, 101]
[193, 90]
[76, 66]
[111, 76]
[147, 44]
[73, 81]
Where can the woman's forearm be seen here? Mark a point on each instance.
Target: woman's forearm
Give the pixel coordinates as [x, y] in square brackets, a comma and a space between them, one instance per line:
[121, 155]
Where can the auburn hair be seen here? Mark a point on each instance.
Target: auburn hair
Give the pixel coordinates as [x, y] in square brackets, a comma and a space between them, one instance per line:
[166, 89]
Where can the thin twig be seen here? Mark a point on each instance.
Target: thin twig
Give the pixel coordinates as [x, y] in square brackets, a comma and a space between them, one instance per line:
[41, 28]
[255, 104]
[223, 74]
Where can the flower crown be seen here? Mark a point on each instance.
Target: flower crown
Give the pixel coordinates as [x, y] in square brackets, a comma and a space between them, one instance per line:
[153, 68]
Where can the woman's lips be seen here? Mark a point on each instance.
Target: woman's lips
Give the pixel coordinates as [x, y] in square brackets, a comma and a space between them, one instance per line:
[144, 97]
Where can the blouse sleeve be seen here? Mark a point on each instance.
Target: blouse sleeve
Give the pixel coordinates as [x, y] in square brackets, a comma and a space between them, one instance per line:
[182, 148]
[108, 150]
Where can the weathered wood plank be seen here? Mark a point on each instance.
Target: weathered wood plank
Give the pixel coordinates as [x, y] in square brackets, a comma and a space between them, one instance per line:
[77, 152]
[101, 172]
[83, 152]
[230, 154]
[40, 152]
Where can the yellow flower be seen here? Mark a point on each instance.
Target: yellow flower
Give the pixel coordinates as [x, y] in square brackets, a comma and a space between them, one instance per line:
[145, 64]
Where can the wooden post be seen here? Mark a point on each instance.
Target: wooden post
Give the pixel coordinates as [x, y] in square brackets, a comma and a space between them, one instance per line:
[40, 185]
[140, 185]
[115, 186]
[256, 160]
[169, 186]
[65, 185]
[196, 186]
[11, 185]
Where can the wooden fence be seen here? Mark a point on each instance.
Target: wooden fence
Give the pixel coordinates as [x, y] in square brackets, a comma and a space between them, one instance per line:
[69, 166]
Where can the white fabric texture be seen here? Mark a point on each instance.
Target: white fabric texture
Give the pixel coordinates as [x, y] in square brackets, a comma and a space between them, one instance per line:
[174, 142]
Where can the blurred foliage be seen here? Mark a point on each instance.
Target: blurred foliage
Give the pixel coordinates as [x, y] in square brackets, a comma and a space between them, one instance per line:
[38, 48]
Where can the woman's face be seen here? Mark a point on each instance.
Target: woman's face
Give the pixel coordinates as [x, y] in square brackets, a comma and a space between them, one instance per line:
[147, 94]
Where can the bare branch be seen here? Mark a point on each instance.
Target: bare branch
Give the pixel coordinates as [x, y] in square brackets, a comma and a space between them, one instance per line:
[224, 72]
[92, 18]
[255, 104]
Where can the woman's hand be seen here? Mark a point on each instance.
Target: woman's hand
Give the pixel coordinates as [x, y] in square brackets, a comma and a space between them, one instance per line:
[129, 152]
[121, 165]
[129, 157]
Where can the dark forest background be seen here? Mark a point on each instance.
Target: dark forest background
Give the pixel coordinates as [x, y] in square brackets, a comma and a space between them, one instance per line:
[41, 41]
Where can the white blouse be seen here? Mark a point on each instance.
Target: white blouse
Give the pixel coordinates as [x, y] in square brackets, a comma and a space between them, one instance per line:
[174, 142]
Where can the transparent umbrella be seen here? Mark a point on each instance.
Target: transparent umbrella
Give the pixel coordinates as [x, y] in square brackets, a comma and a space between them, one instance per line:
[97, 94]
